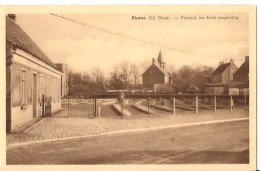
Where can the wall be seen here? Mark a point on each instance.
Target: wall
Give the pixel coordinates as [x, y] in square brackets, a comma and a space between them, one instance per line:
[215, 90]
[225, 76]
[166, 79]
[152, 76]
[244, 91]
[233, 91]
[8, 98]
[51, 84]
[216, 78]
[64, 82]
[241, 77]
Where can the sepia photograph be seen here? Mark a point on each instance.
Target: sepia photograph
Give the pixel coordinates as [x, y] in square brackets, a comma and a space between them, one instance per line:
[131, 85]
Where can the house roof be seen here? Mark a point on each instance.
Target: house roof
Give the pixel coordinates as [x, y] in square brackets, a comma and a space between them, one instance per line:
[221, 68]
[192, 88]
[243, 69]
[16, 35]
[160, 69]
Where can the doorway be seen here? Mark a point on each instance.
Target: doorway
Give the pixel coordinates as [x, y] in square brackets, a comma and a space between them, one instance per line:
[34, 95]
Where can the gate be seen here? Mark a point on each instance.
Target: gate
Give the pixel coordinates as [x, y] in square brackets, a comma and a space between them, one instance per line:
[46, 106]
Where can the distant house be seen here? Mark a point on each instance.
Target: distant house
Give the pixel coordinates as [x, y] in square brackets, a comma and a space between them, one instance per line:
[192, 89]
[30, 77]
[64, 78]
[241, 77]
[220, 78]
[156, 74]
[242, 72]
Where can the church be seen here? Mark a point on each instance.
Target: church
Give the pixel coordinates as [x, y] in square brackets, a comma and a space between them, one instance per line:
[156, 74]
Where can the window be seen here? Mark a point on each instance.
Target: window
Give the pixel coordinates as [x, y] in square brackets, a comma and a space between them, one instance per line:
[41, 88]
[23, 87]
[57, 90]
[53, 90]
[48, 87]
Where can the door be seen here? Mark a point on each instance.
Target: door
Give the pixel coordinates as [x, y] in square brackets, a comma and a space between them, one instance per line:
[40, 101]
[34, 95]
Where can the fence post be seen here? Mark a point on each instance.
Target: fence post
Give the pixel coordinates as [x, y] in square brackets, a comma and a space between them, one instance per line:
[148, 106]
[231, 103]
[173, 106]
[245, 102]
[95, 105]
[215, 103]
[122, 108]
[68, 107]
[197, 105]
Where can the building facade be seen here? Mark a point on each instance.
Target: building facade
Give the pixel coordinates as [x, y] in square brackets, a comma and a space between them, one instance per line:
[156, 73]
[221, 78]
[241, 77]
[228, 79]
[32, 80]
[64, 78]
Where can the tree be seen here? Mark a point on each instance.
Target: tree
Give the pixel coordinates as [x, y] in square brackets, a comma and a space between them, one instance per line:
[144, 66]
[115, 82]
[125, 73]
[98, 77]
[186, 72]
[172, 72]
[135, 72]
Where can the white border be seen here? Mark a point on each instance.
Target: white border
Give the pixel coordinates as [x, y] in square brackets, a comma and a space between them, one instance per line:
[125, 2]
[137, 2]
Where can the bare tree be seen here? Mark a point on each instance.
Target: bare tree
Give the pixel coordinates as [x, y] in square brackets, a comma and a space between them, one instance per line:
[186, 72]
[98, 76]
[115, 73]
[125, 72]
[135, 72]
[115, 81]
[144, 66]
[172, 72]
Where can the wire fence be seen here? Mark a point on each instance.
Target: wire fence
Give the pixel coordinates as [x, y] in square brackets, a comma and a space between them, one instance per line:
[101, 105]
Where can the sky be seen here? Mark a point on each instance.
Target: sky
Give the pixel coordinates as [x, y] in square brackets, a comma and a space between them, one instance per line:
[205, 42]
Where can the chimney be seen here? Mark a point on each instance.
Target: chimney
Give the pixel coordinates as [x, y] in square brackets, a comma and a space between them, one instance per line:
[12, 16]
[247, 58]
[221, 63]
[153, 61]
[231, 61]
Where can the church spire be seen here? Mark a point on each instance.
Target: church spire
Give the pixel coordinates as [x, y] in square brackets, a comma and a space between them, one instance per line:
[160, 58]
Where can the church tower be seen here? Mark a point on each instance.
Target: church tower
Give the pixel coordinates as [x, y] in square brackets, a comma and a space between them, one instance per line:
[161, 62]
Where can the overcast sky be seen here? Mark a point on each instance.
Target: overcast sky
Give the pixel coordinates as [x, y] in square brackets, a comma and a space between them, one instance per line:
[84, 48]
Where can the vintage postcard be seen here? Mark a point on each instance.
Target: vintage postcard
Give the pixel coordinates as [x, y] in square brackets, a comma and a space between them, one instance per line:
[139, 87]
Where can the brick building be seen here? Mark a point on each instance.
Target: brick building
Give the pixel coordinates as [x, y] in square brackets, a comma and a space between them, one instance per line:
[30, 77]
[156, 74]
[221, 78]
[242, 73]
[241, 77]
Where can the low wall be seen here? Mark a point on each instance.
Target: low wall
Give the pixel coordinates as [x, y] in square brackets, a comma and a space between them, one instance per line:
[117, 107]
